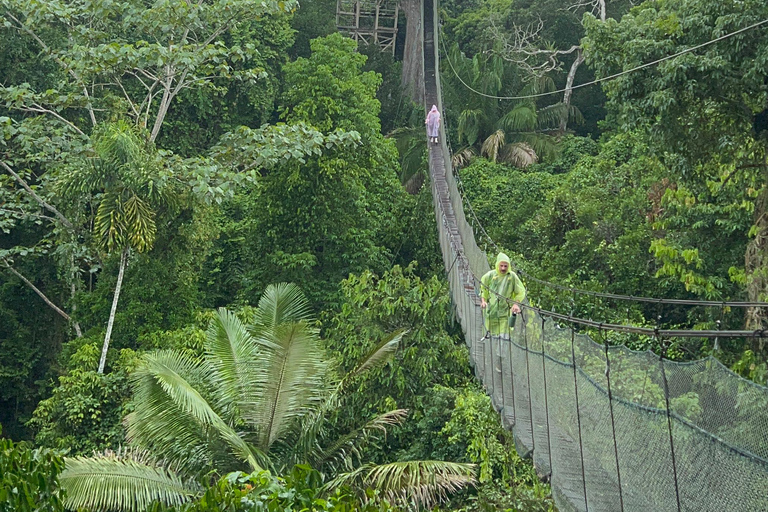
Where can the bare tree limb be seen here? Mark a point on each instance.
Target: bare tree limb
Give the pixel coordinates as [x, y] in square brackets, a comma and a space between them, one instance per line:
[523, 48]
[594, 6]
[165, 102]
[58, 60]
[36, 107]
[26, 281]
[37, 198]
[136, 113]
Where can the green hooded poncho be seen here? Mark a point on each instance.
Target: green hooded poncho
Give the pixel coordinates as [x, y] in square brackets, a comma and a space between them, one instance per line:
[496, 286]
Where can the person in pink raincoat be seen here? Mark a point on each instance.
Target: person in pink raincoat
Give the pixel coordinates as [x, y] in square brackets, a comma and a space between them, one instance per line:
[433, 124]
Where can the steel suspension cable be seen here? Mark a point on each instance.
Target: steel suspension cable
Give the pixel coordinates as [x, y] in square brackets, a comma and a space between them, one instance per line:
[605, 78]
[580, 291]
[613, 420]
[669, 421]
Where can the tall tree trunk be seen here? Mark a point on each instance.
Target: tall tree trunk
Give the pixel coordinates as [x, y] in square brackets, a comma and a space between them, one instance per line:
[569, 88]
[601, 4]
[73, 291]
[413, 72]
[111, 322]
[75, 323]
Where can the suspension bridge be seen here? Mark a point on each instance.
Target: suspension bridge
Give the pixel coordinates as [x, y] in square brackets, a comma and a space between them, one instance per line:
[611, 429]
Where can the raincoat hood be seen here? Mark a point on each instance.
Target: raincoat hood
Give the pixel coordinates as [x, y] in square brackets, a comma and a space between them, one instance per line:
[434, 108]
[503, 258]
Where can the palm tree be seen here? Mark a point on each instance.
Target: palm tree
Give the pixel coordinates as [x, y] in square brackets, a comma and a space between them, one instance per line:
[516, 132]
[411, 143]
[125, 183]
[258, 398]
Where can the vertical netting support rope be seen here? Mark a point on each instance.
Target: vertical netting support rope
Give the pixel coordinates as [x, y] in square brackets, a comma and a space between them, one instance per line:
[512, 375]
[491, 387]
[613, 422]
[528, 376]
[546, 400]
[669, 420]
[578, 419]
[501, 371]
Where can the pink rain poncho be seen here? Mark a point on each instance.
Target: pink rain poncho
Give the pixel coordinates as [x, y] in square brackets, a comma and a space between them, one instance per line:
[433, 123]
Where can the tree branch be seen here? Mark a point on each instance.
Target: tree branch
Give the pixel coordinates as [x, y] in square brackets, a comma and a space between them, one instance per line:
[37, 198]
[36, 107]
[521, 48]
[58, 61]
[36, 290]
[596, 6]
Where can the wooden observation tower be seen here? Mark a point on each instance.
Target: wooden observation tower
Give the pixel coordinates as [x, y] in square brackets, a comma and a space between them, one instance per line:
[369, 21]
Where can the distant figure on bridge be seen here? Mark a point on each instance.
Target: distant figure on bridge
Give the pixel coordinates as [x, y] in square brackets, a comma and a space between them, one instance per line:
[498, 288]
[433, 124]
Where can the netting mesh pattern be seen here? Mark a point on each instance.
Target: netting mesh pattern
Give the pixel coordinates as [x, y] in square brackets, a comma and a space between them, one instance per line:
[613, 429]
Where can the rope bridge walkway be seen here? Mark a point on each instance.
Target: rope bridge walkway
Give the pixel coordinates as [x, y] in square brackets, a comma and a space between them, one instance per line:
[611, 428]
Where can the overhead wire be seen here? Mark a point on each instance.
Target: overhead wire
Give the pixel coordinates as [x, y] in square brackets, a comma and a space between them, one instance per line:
[602, 325]
[605, 78]
[628, 298]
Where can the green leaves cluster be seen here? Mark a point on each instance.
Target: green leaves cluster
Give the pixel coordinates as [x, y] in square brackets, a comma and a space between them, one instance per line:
[700, 113]
[298, 490]
[29, 478]
[85, 410]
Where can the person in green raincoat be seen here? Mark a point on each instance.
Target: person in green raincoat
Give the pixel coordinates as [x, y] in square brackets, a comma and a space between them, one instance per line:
[501, 293]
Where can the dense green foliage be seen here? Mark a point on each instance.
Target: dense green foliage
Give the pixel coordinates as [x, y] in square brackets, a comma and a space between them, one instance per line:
[269, 377]
[160, 161]
[29, 478]
[298, 490]
[449, 417]
[668, 202]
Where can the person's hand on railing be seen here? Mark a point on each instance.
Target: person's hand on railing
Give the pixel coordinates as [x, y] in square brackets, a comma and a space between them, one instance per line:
[515, 309]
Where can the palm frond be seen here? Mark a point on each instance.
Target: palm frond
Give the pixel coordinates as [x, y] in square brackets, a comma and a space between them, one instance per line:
[574, 114]
[293, 364]
[469, 124]
[172, 419]
[522, 118]
[294, 382]
[519, 154]
[492, 145]
[304, 445]
[280, 304]
[121, 483]
[140, 220]
[463, 157]
[538, 85]
[412, 483]
[110, 222]
[551, 115]
[411, 145]
[346, 450]
[545, 146]
[233, 358]
[488, 72]
[379, 354]
[118, 142]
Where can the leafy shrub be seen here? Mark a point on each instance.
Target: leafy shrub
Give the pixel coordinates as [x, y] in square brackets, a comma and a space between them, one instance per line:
[299, 490]
[29, 478]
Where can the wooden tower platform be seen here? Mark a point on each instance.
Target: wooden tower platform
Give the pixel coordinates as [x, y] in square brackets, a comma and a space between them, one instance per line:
[369, 21]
